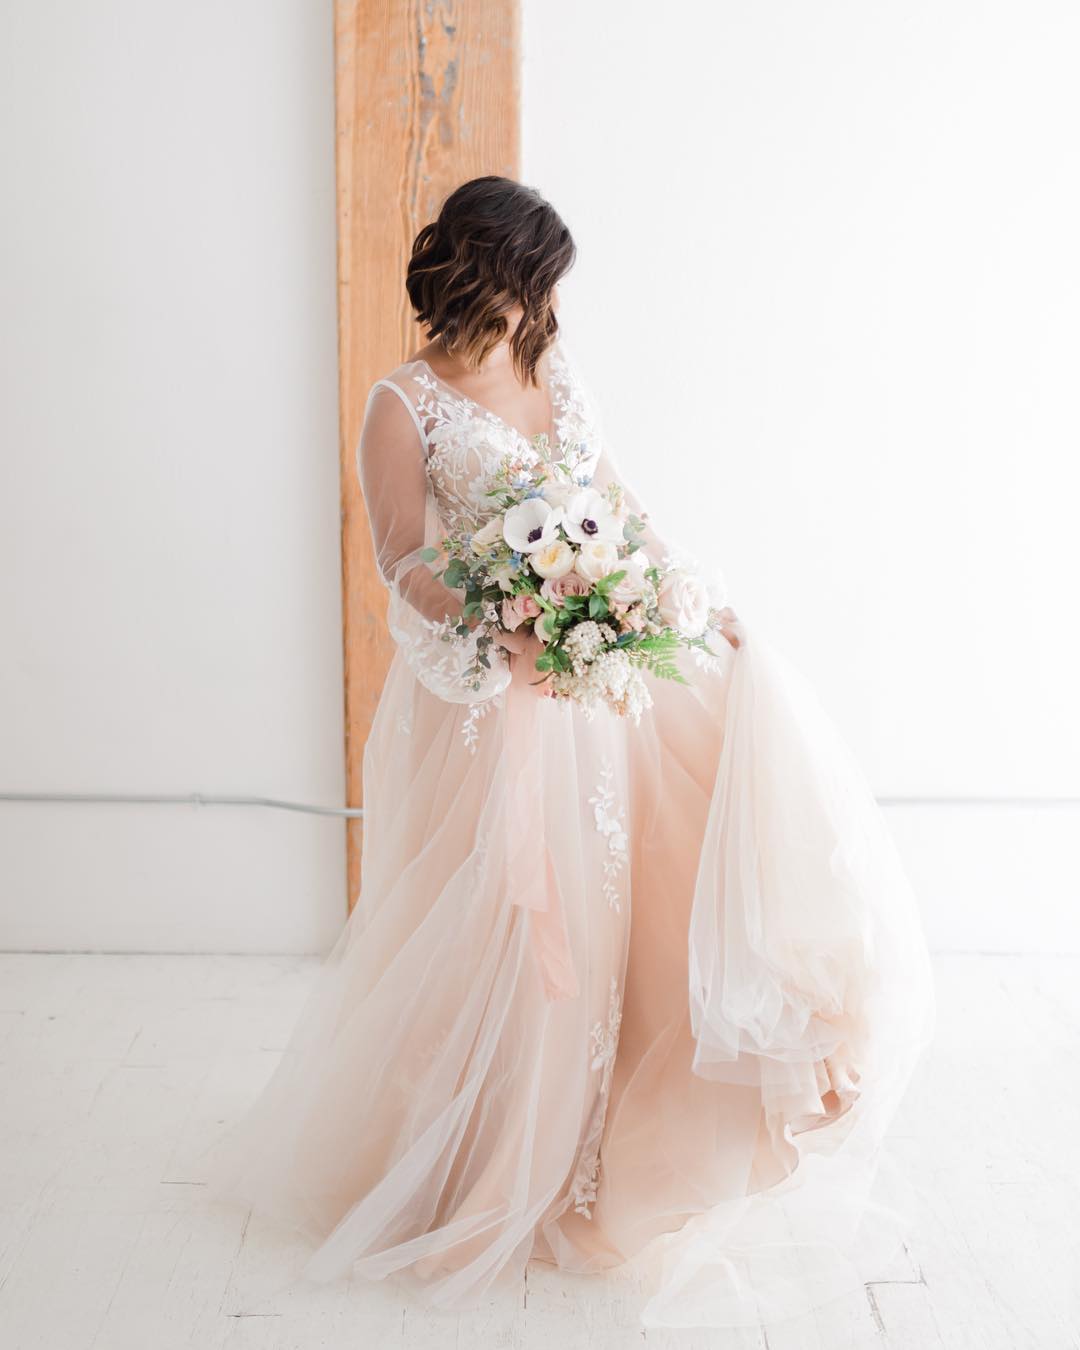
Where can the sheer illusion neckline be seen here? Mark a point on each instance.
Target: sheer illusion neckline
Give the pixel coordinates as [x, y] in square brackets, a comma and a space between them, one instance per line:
[549, 384]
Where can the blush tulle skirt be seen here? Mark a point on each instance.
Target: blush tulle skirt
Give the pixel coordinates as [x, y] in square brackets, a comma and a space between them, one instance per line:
[610, 994]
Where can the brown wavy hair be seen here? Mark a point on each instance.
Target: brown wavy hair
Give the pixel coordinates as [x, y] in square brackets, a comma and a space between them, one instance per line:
[495, 244]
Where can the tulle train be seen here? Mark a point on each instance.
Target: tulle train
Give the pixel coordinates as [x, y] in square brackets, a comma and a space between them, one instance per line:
[668, 1026]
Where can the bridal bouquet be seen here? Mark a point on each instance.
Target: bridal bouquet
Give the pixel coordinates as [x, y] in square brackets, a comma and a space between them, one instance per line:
[565, 561]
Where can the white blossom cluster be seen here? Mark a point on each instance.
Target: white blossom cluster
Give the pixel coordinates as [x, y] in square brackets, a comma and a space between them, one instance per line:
[584, 641]
[610, 679]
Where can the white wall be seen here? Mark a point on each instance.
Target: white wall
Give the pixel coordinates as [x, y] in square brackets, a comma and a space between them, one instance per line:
[827, 261]
[828, 264]
[169, 529]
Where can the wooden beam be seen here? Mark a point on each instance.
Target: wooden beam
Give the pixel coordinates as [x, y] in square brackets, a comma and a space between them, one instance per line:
[428, 96]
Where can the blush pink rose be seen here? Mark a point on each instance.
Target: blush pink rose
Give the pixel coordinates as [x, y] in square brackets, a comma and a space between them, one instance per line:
[556, 589]
[518, 609]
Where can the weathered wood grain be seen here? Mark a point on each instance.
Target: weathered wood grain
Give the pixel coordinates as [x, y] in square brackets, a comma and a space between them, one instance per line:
[428, 96]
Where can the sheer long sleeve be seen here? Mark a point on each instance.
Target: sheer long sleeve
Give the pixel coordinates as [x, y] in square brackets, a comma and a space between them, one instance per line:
[422, 611]
[660, 541]
[655, 544]
[666, 552]
[393, 479]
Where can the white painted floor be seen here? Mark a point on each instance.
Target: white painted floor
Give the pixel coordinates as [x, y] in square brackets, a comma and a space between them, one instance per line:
[118, 1070]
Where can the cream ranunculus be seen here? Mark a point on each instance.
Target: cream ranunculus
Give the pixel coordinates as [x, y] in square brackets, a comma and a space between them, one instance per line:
[486, 539]
[596, 558]
[683, 603]
[531, 524]
[554, 559]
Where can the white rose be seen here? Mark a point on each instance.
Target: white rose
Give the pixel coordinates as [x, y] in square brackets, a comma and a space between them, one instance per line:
[596, 558]
[554, 559]
[531, 524]
[632, 586]
[487, 537]
[683, 603]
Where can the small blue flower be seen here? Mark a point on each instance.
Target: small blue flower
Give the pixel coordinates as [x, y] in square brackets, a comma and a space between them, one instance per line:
[517, 558]
[533, 492]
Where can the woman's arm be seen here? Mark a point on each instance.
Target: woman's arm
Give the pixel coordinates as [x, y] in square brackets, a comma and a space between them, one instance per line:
[422, 613]
[393, 478]
[654, 543]
[606, 473]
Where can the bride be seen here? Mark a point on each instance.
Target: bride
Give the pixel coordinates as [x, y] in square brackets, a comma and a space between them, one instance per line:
[612, 992]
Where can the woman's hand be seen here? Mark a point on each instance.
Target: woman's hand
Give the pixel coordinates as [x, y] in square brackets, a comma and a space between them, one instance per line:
[524, 647]
[511, 642]
[729, 626]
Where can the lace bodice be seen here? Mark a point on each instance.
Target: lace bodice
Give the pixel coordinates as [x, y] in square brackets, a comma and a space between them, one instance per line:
[427, 459]
[465, 443]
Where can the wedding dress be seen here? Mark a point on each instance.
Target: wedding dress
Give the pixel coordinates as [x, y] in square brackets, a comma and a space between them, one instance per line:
[610, 993]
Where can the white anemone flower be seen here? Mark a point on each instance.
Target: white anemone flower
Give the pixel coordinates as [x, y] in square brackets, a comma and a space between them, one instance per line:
[589, 516]
[531, 525]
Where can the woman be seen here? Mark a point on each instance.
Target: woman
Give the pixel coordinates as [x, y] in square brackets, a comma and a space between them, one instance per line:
[611, 992]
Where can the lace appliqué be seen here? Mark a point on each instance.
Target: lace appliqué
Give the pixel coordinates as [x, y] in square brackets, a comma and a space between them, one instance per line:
[466, 446]
[610, 819]
[441, 670]
[467, 443]
[604, 1041]
[605, 1036]
[470, 731]
[574, 421]
[440, 658]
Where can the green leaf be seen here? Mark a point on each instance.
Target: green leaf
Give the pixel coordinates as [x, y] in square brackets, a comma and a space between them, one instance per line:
[457, 573]
[605, 584]
[429, 554]
[597, 606]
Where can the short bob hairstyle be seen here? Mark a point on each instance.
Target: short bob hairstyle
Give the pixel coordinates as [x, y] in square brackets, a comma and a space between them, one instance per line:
[495, 244]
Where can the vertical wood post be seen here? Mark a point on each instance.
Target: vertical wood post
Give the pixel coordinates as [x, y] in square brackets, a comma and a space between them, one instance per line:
[428, 96]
